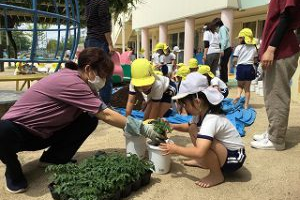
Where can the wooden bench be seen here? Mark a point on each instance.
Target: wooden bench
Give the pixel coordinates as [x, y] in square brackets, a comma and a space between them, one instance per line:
[26, 78]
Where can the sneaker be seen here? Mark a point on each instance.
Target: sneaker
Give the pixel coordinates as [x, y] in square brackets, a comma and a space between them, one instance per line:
[15, 187]
[267, 144]
[258, 137]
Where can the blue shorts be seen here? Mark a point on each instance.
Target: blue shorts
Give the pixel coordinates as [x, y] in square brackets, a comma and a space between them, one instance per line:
[234, 161]
[245, 73]
[169, 93]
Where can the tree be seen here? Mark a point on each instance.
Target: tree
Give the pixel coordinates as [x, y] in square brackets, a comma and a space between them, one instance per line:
[23, 40]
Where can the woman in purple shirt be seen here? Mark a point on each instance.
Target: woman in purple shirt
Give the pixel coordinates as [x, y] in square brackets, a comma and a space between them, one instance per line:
[60, 112]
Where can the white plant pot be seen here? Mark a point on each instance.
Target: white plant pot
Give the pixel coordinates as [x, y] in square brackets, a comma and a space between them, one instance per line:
[162, 163]
[252, 87]
[135, 145]
[257, 89]
[261, 92]
[260, 84]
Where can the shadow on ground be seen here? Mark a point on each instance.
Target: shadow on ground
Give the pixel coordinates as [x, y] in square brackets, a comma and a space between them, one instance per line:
[257, 106]
[144, 189]
[292, 137]
[181, 140]
[242, 175]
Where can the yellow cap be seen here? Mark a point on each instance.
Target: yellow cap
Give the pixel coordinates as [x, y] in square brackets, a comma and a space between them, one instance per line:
[142, 50]
[141, 73]
[162, 46]
[158, 72]
[180, 65]
[205, 69]
[247, 34]
[183, 72]
[193, 63]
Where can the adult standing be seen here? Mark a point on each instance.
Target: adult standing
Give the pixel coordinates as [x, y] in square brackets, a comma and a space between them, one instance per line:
[98, 19]
[211, 53]
[279, 53]
[226, 49]
[60, 112]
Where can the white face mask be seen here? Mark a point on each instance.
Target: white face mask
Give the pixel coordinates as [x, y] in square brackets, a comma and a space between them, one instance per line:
[97, 84]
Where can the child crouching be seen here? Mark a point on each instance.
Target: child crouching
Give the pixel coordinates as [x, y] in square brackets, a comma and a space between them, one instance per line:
[217, 144]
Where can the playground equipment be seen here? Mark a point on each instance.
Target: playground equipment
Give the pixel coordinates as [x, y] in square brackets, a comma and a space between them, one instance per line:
[62, 22]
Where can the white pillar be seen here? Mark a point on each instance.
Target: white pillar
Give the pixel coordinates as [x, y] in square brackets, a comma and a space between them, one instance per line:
[189, 38]
[227, 19]
[145, 42]
[138, 41]
[123, 34]
[163, 33]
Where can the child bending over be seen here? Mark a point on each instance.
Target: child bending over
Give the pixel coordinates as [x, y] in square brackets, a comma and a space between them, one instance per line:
[156, 89]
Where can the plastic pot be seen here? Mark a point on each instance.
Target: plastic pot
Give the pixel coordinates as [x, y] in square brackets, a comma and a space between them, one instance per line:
[126, 191]
[146, 178]
[137, 184]
[135, 145]
[54, 195]
[162, 163]
[114, 196]
[117, 195]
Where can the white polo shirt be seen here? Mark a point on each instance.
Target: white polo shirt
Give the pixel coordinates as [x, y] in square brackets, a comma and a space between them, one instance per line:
[170, 57]
[214, 41]
[158, 59]
[220, 128]
[245, 54]
[160, 85]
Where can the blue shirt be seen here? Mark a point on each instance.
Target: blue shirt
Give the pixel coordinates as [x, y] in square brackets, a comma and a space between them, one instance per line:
[224, 37]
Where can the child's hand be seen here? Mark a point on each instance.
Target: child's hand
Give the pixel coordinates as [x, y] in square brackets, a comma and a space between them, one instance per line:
[168, 148]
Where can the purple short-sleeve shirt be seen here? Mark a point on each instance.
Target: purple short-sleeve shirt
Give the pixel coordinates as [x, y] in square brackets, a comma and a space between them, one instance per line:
[53, 103]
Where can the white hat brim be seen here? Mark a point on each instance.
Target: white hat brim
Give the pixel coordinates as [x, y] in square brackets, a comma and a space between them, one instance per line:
[213, 95]
[180, 96]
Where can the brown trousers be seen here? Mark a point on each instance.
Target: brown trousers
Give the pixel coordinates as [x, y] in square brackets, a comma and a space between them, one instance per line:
[277, 96]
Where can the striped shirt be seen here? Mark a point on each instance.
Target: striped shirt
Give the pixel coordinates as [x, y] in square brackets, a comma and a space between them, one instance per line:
[98, 19]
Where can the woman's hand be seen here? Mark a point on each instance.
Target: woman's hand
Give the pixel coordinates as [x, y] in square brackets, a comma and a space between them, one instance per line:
[268, 57]
[168, 148]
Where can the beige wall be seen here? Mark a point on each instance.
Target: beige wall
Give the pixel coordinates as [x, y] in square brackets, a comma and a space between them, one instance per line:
[153, 12]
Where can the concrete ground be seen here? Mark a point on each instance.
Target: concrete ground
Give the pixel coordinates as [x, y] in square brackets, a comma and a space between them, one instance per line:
[266, 175]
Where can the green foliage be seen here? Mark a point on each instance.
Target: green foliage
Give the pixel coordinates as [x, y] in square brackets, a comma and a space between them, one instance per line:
[162, 127]
[23, 40]
[97, 177]
[116, 7]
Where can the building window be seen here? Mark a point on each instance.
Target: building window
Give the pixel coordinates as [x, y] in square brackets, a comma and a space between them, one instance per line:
[181, 40]
[173, 38]
[251, 25]
[257, 27]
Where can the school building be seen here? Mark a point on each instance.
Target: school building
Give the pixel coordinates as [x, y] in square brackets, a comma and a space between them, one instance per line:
[180, 23]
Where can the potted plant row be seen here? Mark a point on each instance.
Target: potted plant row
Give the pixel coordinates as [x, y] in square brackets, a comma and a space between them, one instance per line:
[107, 177]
